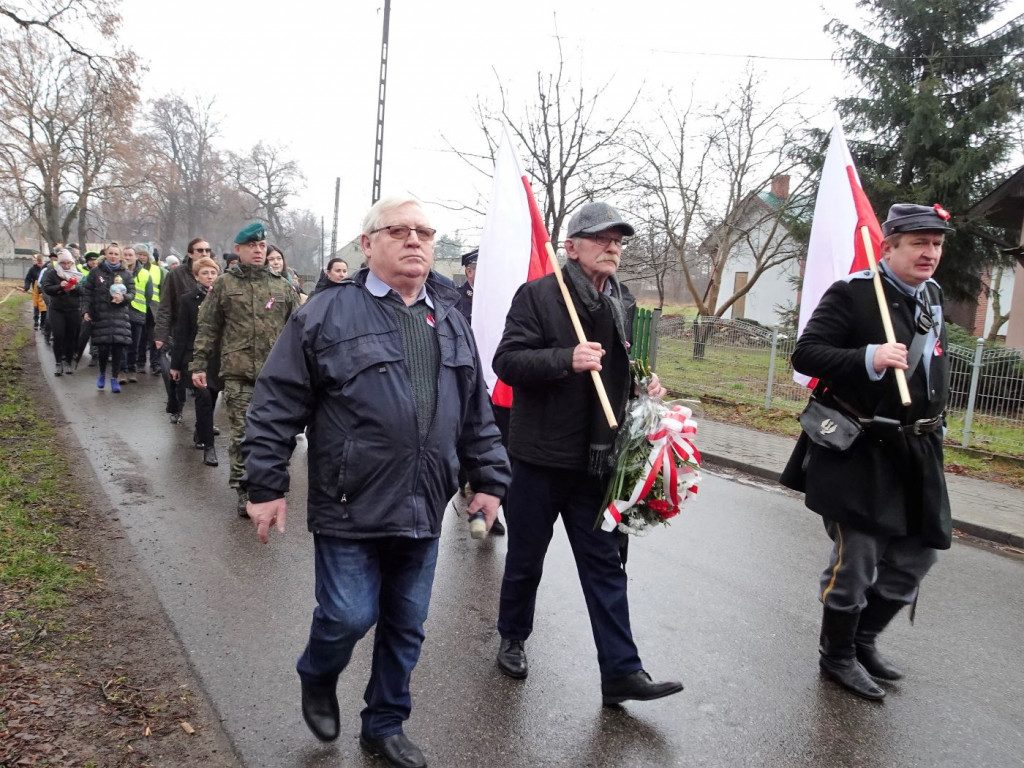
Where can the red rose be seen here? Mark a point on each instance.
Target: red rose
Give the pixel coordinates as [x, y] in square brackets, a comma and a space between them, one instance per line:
[662, 508]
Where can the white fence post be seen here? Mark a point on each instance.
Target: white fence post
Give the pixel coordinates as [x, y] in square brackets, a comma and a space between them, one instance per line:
[975, 376]
[771, 369]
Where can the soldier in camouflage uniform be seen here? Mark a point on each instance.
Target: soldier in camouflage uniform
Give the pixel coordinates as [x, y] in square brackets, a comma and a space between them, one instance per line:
[244, 314]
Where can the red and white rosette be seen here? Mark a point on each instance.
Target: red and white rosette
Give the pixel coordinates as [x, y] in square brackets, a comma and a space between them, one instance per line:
[674, 456]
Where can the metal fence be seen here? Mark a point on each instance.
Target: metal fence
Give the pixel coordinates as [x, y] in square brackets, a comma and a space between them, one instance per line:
[14, 269]
[737, 362]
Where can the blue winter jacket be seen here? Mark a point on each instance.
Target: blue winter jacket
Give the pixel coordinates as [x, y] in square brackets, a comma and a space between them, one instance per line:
[339, 369]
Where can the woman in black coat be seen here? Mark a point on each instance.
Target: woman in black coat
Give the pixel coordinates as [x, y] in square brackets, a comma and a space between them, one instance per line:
[106, 296]
[205, 271]
[63, 284]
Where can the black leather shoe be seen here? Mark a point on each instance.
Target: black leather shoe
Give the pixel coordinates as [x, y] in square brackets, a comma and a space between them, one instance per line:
[397, 750]
[512, 659]
[320, 711]
[637, 686]
[210, 456]
[497, 529]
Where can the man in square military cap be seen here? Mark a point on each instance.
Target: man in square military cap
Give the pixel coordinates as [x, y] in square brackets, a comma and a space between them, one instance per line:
[883, 500]
[465, 305]
[242, 317]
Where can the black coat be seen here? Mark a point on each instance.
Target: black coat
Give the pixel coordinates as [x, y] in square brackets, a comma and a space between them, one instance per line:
[178, 282]
[339, 369]
[552, 407]
[110, 323]
[61, 300]
[886, 484]
[184, 331]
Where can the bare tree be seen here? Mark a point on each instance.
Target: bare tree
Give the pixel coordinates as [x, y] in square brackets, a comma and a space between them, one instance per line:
[570, 134]
[63, 19]
[188, 167]
[995, 284]
[710, 177]
[268, 179]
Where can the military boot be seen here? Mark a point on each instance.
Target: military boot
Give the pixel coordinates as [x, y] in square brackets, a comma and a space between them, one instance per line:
[243, 499]
[873, 619]
[838, 658]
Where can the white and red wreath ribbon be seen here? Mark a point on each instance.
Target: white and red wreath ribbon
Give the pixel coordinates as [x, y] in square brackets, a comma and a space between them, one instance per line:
[673, 456]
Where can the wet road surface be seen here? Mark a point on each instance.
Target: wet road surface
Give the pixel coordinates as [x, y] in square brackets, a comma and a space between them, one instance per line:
[724, 599]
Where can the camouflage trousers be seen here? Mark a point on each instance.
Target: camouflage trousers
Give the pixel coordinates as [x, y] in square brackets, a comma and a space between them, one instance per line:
[237, 395]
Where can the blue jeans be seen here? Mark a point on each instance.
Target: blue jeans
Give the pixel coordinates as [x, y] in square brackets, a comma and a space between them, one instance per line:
[359, 583]
[536, 497]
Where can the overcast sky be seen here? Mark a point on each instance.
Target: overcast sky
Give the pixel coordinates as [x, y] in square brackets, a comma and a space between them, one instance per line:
[305, 74]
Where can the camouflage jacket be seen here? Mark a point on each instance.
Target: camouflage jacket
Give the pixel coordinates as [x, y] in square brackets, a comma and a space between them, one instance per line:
[245, 312]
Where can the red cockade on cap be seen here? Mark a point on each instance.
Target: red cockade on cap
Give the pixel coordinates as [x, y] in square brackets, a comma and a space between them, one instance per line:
[942, 212]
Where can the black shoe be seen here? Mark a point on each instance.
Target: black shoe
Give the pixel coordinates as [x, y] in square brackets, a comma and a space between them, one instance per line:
[59, 371]
[320, 711]
[512, 659]
[210, 456]
[397, 750]
[873, 619]
[175, 418]
[243, 500]
[497, 529]
[637, 686]
[216, 431]
[838, 659]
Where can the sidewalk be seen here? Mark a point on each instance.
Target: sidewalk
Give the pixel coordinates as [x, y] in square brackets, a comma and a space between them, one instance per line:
[988, 510]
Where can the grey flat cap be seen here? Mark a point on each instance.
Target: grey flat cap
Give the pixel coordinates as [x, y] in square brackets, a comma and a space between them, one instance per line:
[908, 217]
[597, 217]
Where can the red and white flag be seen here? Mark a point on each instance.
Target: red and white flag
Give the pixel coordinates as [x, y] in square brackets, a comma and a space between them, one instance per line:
[512, 250]
[836, 248]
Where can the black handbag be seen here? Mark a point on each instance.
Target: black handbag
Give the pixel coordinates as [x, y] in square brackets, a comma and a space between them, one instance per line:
[829, 427]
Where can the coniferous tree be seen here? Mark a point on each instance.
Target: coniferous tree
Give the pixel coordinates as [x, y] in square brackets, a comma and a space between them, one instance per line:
[939, 112]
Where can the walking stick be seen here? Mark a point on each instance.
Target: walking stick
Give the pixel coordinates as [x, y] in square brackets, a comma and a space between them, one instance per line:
[883, 308]
[594, 375]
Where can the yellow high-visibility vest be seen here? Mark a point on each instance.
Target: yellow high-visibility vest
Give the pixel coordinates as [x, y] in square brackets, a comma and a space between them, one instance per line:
[156, 274]
[139, 302]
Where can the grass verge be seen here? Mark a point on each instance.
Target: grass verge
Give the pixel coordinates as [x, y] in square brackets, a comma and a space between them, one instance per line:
[36, 496]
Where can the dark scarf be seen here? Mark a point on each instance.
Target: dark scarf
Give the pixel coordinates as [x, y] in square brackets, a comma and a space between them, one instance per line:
[607, 317]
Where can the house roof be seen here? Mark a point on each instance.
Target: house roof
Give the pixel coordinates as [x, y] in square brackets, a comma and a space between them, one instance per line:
[1004, 205]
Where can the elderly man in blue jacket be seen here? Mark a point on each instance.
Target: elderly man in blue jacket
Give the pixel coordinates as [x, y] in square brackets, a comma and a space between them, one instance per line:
[384, 375]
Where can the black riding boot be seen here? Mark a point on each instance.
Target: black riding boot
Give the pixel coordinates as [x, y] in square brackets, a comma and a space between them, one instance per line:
[839, 656]
[873, 619]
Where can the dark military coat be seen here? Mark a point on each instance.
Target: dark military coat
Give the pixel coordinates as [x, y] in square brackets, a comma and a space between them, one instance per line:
[887, 483]
[465, 302]
[245, 312]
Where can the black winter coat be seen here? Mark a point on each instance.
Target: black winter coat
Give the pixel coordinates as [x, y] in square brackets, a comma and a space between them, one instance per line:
[109, 320]
[61, 300]
[552, 407]
[885, 484]
[178, 282]
[339, 370]
[187, 322]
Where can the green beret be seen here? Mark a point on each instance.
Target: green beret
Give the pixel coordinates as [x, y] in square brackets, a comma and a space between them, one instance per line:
[251, 234]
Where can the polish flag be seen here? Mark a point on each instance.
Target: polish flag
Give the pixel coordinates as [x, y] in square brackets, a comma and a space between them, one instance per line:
[513, 249]
[836, 248]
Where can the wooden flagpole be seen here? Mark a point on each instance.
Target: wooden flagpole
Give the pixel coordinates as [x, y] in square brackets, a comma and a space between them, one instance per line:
[883, 308]
[606, 406]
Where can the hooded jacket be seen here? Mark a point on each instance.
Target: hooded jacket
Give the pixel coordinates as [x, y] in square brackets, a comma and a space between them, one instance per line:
[339, 371]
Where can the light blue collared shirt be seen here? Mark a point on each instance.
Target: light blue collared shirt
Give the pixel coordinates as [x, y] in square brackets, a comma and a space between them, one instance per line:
[380, 289]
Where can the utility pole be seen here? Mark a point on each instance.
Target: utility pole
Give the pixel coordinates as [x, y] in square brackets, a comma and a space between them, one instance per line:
[379, 153]
[334, 229]
[323, 245]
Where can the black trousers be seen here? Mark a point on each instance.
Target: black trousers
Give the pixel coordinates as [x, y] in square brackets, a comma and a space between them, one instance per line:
[113, 353]
[65, 327]
[536, 498]
[206, 401]
[177, 391]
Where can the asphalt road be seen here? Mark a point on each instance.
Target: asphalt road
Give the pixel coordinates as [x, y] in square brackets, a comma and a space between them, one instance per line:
[724, 599]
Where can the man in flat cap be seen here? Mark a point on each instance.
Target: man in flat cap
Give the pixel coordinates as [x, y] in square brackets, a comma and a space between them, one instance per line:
[883, 500]
[560, 444]
[465, 305]
[242, 316]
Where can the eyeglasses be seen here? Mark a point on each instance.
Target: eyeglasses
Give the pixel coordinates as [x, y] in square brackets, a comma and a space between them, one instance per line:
[605, 240]
[202, 250]
[401, 232]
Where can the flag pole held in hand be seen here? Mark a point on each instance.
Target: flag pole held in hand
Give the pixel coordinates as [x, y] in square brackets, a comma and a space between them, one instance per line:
[883, 308]
[606, 406]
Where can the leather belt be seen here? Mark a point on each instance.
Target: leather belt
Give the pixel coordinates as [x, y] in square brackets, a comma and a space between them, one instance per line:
[925, 426]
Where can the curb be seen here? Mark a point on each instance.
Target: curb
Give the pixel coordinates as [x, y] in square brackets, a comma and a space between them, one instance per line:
[973, 529]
